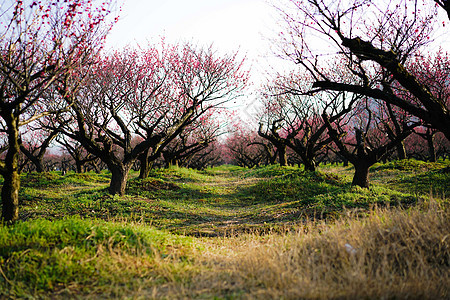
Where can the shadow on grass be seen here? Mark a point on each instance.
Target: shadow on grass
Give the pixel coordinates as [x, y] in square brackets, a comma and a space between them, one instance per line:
[435, 183]
[255, 200]
[272, 203]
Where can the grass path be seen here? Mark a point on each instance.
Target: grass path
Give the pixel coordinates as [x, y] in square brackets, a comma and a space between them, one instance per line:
[228, 200]
[215, 201]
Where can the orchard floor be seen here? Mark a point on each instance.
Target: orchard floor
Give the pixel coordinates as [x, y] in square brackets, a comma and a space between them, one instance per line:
[232, 233]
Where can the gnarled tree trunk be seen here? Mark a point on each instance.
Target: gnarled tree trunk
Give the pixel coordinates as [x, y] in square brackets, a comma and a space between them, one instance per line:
[401, 151]
[119, 177]
[144, 169]
[10, 172]
[282, 154]
[310, 165]
[361, 176]
[431, 148]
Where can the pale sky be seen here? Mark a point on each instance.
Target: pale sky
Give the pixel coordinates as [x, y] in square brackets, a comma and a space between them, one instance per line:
[229, 25]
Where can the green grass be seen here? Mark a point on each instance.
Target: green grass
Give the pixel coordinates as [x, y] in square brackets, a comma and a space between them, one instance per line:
[51, 179]
[229, 198]
[41, 256]
[185, 234]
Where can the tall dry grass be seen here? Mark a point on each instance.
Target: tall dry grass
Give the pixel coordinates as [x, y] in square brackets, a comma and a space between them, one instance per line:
[391, 254]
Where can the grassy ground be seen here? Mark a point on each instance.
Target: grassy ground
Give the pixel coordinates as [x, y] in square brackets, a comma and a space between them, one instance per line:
[230, 232]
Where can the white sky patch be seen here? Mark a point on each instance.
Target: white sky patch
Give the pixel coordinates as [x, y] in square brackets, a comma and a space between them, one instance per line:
[229, 25]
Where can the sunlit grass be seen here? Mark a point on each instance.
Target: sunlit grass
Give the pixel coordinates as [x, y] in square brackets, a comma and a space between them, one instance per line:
[228, 232]
[41, 256]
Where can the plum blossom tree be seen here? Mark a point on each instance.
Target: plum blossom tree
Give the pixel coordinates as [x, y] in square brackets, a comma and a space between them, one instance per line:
[247, 149]
[34, 145]
[298, 116]
[40, 42]
[151, 94]
[200, 82]
[369, 142]
[427, 144]
[78, 154]
[193, 139]
[212, 155]
[378, 50]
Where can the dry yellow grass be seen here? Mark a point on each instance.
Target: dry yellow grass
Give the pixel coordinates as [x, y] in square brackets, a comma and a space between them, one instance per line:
[391, 254]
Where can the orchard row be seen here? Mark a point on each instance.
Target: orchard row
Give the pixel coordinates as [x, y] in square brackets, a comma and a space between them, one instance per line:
[362, 89]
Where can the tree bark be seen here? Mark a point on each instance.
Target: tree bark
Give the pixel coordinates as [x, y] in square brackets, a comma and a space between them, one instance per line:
[401, 151]
[36, 160]
[431, 148]
[309, 165]
[273, 159]
[144, 170]
[361, 176]
[10, 172]
[282, 154]
[119, 177]
[79, 166]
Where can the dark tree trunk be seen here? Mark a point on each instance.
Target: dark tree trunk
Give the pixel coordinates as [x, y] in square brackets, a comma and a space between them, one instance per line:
[282, 155]
[171, 163]
[310, 165]
[119, 177]
[35, 160]
[345, 162]
[38, 163]
[169, 159]
[11, 183]
[431, 148]
[79, 166]
[144, 170]
[273, 159]
[401, 151]
[39, 166]
[10, 197]
[95, 166]
[361, 176]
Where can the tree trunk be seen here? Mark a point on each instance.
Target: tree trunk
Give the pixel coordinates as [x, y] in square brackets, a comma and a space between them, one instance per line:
[11, 183]
[343, 159]
[172, 163]
[310, 165]
[345, 162]
[39, 166]
[119, 177]
[10, 197]
[37, 161]
[170, 160]
[273, 159]
[96, 166]
[282, 155]
[361, 176]
[144, 170]
[79, 166]
[401, 152]
[431, 148]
